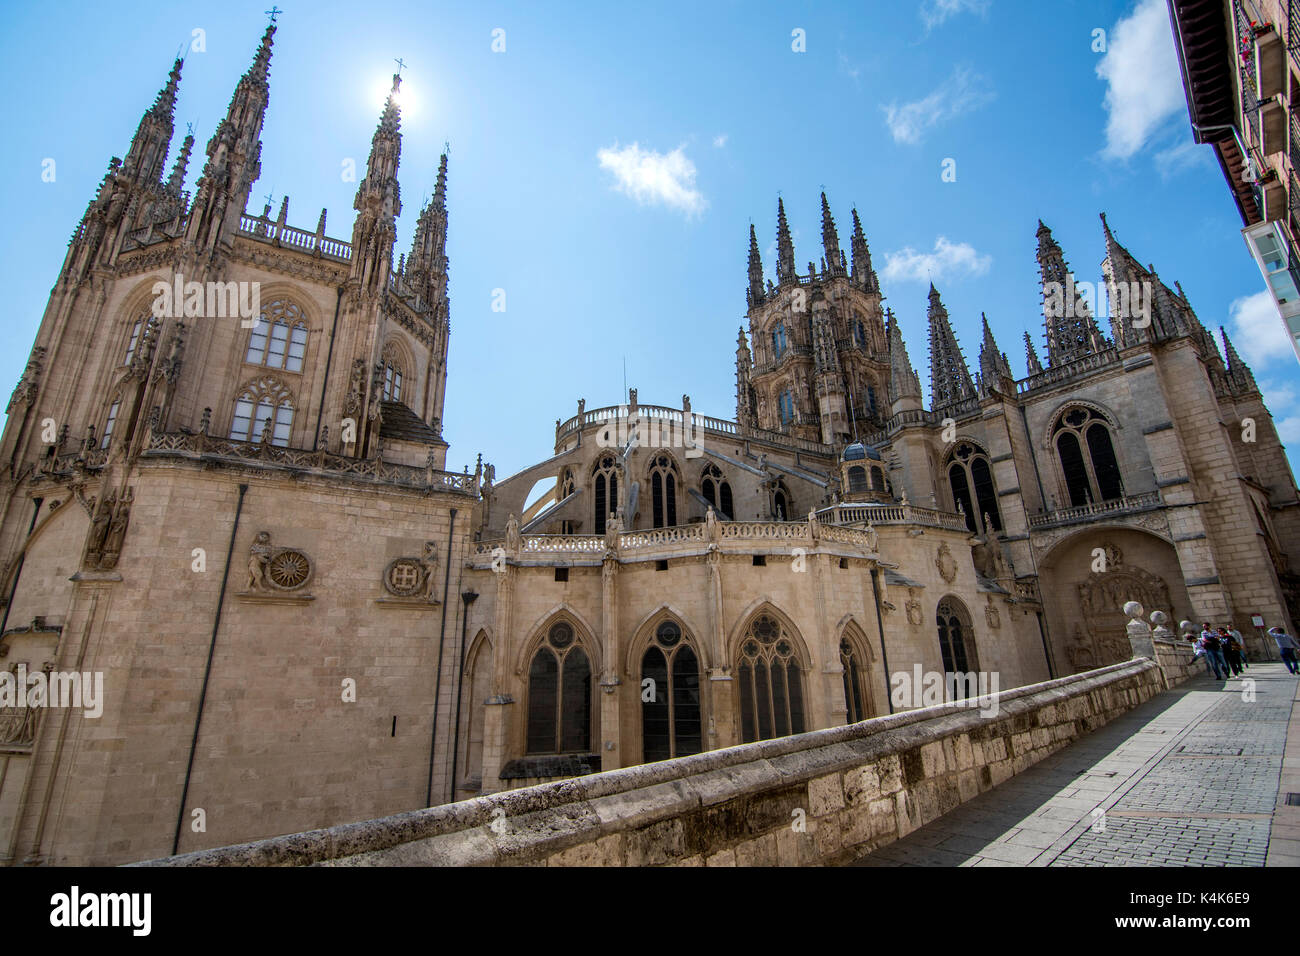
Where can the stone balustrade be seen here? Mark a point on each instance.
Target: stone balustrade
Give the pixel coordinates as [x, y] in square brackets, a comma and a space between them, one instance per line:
[1117, 506]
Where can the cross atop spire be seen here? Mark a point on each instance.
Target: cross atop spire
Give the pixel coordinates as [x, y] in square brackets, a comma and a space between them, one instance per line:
[273, 12]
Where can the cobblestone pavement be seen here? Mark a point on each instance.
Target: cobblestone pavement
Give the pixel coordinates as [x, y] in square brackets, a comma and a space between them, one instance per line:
[1190, 778]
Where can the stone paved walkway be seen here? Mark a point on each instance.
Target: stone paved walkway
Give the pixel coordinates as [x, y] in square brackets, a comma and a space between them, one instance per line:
[1190, 778]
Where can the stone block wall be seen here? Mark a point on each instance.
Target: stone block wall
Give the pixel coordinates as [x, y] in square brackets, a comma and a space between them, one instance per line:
[824, 797]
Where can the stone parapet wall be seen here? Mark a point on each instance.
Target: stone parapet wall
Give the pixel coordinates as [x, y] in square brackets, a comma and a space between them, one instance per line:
[1175, 660]
[822, 797]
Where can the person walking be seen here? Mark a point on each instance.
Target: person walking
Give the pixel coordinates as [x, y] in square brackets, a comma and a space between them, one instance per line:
[1241, 646]
[1231, 651]
[1287, 647]
[1214, 661]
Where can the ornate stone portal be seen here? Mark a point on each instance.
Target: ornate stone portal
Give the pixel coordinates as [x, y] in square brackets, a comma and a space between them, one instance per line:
[1100, 637]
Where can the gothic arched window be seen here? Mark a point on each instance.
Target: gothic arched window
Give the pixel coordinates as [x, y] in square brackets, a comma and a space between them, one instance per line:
[663, 492]
[860, 335]
[566, 483]
[771, 682]
[109, 422]
[857, 480]
[956, 640]
[877, 478]
[856, 694]
[779, 342]
[133, 341]
[717, 491]
[971, 479]
[786, 405]
[1087, 455]
[559, 695]
[261, 401]
[605, 491]
[279, 340]
[670, 705]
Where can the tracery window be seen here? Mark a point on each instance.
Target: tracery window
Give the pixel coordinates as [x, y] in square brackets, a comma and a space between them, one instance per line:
[779, 341]
[859, 335]
[559, 695]
[782, 505]
[670, 705]
[279, 340]
[786, 405]
[566, 483]
[1087, 455]
[663, 492]
[717, 490]
[771, 682]
[260, 401]
[971, 480]
[956, 640]
[605, 491]
[856, 695]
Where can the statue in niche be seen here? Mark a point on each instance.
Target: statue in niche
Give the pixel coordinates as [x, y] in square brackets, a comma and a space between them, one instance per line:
[430, 562]
[514, 541]
[116, 531]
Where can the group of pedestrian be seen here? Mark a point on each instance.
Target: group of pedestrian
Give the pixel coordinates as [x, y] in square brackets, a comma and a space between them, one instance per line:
[1224, 650]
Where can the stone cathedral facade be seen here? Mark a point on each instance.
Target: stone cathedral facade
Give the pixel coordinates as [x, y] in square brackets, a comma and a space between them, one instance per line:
[224, 491]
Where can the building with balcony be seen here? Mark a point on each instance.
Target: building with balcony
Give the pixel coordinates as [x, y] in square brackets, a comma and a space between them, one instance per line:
[1240, 62]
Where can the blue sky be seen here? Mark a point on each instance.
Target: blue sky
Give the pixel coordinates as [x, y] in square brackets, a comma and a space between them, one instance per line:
[605, 167]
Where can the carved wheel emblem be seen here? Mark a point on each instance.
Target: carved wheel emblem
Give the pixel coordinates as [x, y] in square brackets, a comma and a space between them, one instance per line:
[289, 570]
[404, 577]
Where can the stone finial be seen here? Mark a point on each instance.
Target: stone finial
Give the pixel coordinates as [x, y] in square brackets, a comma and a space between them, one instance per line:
[1133, 609]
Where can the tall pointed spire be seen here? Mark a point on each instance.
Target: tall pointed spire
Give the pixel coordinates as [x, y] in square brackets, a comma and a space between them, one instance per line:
[234, 157]
[745, 405]
[995, 370]
[1071, 329]
[378, 202]
[176, 182]
[950, 381]
[864, 276]
[1031, 356]
[426, 267]
[1240, 377]
[754, 295]
[904, 385]
[830, 238]
[784, 245]
[147, 156]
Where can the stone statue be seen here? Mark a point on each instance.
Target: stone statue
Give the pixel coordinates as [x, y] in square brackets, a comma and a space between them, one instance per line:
[613, 528]
[430, 563]
[711, 529]
[514, 542]
[814, 526]
[103, 516]
[116, 532]
[259, 560]
[873, 539]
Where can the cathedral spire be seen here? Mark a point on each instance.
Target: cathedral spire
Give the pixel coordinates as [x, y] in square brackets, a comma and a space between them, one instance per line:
[234, 157]
[1071, 330]
[994, 367]
[745, 405]
[1031, 356]
[755, 292]
[147, 156]
[378, 202]
[864, 275]
[784, 245]
[830, 238]
[1240, 377]
[950, 381]
[426, 268]
[176, 182]
[904, 384]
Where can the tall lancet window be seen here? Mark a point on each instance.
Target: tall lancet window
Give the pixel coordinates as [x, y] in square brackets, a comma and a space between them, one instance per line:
[971, 479]
[279, 340]
[133, 341]
[1089, 468]
[663, 492]
[605, 491]
[261, 403]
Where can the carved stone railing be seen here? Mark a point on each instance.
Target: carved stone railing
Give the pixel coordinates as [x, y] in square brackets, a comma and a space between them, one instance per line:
[1068, 370]
[326, 464]
[265, 229]
[660, 537]
[18, 728]
[766, 530]
[705, 423]
[879, 515]
[66, 464]
[1028, 591]
[1101, 509]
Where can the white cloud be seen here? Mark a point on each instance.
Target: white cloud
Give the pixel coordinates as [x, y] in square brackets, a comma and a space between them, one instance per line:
[1257, 331]
[720, 140]
[935, 12]
[960, 93]
[1144, 89]
[654, 178]
[948, 260]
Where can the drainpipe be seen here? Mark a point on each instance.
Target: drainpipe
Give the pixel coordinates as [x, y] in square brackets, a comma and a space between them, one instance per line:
[207, 671]
[329, 359]
[468, 598]
[880, 623]
[437, 679]
[13, 588]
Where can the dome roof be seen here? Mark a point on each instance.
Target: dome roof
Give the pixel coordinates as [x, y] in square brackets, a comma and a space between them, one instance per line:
[858, 451]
